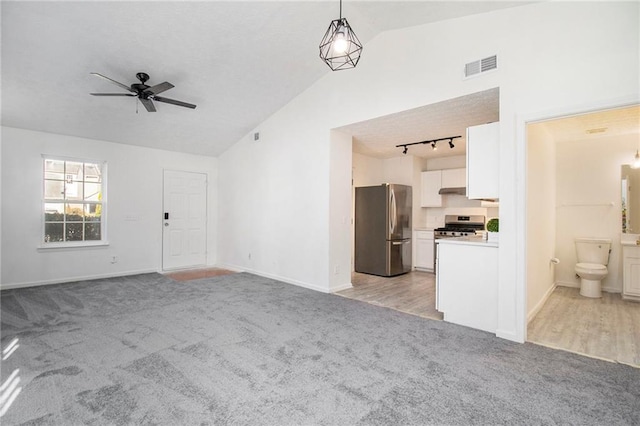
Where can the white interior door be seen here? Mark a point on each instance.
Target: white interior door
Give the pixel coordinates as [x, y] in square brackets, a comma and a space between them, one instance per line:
[184, 225]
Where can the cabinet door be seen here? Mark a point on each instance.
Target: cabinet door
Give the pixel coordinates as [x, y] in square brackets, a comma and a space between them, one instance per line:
[454, 178]
[631, 278]
[483, 161]
[424, 254]
[431, 184]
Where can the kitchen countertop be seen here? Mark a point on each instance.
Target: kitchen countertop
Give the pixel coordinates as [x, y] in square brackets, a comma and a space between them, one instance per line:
[423, 229]
[473, 241]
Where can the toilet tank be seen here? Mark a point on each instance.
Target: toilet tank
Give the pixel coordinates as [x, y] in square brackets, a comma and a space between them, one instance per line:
[593, 250]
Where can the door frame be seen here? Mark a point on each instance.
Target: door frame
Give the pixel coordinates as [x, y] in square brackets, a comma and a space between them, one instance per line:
[522, 175]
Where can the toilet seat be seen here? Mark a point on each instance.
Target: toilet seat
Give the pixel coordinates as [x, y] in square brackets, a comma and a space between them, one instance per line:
[591, 267]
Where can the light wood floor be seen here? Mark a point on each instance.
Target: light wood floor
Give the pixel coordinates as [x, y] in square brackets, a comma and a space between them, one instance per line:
[413, 293]
[606, 328]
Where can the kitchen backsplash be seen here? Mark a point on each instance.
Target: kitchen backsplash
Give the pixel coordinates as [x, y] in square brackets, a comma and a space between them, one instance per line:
[435, 215]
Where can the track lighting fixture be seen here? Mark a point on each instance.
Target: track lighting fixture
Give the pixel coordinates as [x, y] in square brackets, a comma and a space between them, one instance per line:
[340, 47]
[433, 143]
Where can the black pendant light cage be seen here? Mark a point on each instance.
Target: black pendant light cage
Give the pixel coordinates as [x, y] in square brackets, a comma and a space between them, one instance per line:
[340, 59]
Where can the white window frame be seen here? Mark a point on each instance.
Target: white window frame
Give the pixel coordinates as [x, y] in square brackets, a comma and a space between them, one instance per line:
[103, 202]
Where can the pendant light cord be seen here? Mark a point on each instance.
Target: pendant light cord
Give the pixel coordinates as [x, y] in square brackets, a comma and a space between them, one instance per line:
[341, 10]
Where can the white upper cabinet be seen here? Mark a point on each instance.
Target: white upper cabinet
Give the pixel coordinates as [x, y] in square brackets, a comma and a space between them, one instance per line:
[431, 184]
[454, 178]
[483, 161]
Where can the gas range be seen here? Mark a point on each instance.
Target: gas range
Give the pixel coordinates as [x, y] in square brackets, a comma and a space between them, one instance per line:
[460, 226]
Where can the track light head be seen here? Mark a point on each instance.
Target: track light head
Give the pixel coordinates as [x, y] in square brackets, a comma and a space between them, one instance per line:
[451, 145]
[406, 149]
[433, 145]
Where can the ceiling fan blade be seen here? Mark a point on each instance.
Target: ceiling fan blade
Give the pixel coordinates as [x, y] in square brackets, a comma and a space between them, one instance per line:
[148, 104]
[125, 87]
[112, 94]
[174, 102]
[158, 88]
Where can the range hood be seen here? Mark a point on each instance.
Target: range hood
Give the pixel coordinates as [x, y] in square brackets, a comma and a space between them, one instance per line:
[460, 190]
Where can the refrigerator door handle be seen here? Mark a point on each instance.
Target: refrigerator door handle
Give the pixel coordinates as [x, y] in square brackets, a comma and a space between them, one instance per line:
[398, 243]
[392, 212]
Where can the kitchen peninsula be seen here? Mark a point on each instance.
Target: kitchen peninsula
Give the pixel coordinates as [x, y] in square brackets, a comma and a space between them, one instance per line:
[467, 281]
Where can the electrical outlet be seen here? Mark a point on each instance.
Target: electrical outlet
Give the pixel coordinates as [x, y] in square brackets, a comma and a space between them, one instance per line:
[114, 259]
[249, 256]
[336, 269]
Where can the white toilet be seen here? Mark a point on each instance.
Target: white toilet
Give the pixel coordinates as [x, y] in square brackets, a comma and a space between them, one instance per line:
[593, 257]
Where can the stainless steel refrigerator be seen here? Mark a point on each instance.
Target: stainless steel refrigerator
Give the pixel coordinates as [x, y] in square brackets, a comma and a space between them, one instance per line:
[383, 229]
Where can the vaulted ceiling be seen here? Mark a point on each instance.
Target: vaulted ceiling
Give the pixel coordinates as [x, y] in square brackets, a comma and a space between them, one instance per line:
[238, 61]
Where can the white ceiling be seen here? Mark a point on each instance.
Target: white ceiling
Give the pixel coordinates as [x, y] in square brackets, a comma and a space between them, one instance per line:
[378, 137]
[239, 61]
[606, 123]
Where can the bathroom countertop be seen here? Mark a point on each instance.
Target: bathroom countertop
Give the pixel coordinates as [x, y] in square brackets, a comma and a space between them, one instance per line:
[474, 241]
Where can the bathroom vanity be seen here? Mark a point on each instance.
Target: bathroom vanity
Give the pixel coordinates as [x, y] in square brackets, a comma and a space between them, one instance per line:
[631, 270]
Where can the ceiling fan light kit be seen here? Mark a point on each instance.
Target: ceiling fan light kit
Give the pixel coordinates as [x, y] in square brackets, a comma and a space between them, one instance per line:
[340, 48]
[145, 94]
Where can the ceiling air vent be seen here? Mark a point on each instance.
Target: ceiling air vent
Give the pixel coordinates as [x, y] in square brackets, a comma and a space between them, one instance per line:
[480, 66]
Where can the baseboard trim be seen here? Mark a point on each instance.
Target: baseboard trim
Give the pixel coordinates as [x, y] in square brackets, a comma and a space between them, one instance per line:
[278, 278]
[541, 303]
[508, 335]
[76, 279]
[567, 284]
[340, 288]
[577, 285]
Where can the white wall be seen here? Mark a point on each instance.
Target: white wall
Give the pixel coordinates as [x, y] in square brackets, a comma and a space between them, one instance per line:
[367, 171]
[541, 217]
[340, 220]
[134, 180]
[443, 163]
[588, 178]
[552, 56]
[1, 210]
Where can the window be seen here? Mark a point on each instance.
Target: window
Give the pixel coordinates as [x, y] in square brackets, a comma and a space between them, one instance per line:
[74, 201]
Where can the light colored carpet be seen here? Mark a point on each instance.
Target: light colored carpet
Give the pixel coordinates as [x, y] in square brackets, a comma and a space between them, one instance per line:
[241, 349]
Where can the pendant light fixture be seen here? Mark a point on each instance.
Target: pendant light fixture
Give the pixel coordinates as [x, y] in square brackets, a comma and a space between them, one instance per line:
[340, 47]
[636, 161]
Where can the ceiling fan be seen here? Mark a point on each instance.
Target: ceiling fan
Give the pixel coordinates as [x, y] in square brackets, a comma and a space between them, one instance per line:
[146, 94]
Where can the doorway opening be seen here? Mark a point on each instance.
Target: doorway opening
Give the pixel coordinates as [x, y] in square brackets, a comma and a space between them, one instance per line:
[376, 160]
[575, 170]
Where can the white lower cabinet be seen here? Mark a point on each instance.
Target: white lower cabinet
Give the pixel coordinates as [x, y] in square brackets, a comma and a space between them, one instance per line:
[467, 284]
[631, 273]
[424, 249]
